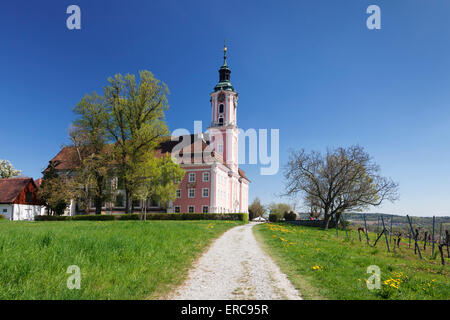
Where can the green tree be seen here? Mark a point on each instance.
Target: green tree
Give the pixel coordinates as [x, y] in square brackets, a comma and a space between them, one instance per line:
[7, 170]
[279, 209]
[135, 123]
[89, 137]
[158, 178]
[56, 191]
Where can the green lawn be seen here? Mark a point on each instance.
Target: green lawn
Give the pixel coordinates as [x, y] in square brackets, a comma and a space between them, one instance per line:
[118, 259]
[322, 266]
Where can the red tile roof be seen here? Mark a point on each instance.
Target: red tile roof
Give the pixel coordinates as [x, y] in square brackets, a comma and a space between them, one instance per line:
[10, 188]
[67, 158]
[242, 174]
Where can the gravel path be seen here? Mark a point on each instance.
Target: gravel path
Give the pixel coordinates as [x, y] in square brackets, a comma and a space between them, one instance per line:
[235, 267]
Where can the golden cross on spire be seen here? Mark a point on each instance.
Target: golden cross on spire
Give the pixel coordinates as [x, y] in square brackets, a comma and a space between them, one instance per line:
[224, 52]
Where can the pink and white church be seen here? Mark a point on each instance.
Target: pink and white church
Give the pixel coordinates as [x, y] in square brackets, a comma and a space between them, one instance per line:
[213, 182]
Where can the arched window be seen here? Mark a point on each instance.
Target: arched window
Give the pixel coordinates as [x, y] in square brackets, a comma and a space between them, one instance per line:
[220, 121]
[221, 108]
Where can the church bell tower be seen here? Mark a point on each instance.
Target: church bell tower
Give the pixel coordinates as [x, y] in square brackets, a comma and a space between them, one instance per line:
[224, 116]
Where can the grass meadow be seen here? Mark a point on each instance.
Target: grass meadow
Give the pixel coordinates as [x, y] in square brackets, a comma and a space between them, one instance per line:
[117, 259]
[323, 266]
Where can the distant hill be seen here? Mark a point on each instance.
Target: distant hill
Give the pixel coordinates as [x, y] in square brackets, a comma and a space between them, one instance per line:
[399, 220]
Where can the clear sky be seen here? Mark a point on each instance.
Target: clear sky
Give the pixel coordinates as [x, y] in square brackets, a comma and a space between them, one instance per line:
[309, 68]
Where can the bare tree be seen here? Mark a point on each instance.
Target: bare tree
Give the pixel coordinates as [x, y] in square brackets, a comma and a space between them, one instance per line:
[342, 179]
[256, 209]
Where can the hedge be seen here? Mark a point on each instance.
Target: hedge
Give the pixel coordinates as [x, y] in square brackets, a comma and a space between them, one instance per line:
[99, 217]
[150, 216]
[51, 218]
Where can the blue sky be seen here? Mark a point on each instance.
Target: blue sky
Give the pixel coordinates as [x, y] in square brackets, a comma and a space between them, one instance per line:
[309, 68]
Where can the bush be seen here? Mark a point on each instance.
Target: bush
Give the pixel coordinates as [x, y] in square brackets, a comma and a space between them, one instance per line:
[273, 217]
[97, 217]
[132, 216]
[150, 216]
[52, 218]
[2, 217]
[290, 216]
[192, 216]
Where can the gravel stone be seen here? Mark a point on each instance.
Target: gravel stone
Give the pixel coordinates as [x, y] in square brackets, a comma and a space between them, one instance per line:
[236, 268]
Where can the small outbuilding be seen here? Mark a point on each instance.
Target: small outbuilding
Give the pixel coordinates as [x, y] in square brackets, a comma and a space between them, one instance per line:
[18, 199]
[259, 219]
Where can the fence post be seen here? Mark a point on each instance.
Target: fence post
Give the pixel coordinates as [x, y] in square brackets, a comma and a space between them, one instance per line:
[432, 238]
[365, 228]
[390, 232]
[447, 243]
[385, 235]
[409, 246]
[336, 221]
[440, 234]
[415, 237]
[345, 227]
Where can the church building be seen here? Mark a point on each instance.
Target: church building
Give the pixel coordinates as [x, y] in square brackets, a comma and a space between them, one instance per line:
[218, 185]
[213, 182]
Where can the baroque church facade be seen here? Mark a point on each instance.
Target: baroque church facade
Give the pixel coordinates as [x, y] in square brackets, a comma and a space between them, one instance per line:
[217, 185]
[213, 182]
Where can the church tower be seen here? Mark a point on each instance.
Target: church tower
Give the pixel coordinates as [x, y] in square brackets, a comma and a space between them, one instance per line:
[224, 116]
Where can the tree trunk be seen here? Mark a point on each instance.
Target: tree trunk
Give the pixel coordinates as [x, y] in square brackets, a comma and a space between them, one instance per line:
[326, 221]
[98, 205]
[98, 198]
[127, 201]
[86, 201]
[131, 203]
[338, 218]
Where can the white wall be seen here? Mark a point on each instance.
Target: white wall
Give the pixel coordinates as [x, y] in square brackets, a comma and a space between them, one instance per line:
[70, 210]
[244, 201]
[8, 209]
[25, 211]
[43, 211]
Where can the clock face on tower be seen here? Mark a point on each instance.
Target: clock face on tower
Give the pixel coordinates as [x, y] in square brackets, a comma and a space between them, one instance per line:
[221, 97]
